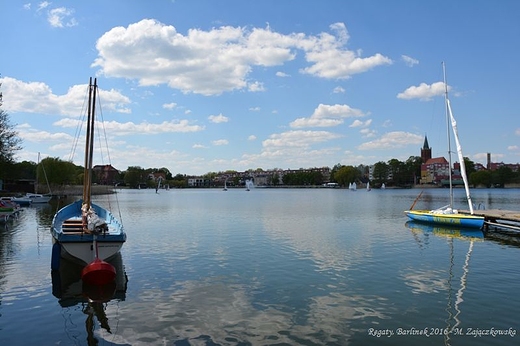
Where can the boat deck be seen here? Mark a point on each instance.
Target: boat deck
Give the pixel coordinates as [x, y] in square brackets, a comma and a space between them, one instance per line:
[498, 218]
[72, 226]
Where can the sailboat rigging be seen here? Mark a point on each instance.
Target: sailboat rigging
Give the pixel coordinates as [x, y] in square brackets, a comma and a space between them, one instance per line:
[85, 231]
[447, 214]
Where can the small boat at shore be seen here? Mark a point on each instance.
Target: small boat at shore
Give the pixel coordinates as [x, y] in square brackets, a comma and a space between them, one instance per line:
[22, 200]
[446, 216]
[32, 198]
[36, 198]
[8, 208]
[85, 231]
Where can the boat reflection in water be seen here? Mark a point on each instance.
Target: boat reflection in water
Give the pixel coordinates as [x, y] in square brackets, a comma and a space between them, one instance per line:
[455, 298]
[446, 231]
[70, 290]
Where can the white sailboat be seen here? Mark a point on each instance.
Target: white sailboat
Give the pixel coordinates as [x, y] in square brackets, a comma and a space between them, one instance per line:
[36, 197]
[446, 214]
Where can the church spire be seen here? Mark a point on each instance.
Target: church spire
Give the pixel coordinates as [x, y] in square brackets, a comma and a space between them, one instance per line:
[426, 151]
[426, 146]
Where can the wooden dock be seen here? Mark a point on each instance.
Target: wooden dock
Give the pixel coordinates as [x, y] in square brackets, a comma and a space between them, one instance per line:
[498, 218]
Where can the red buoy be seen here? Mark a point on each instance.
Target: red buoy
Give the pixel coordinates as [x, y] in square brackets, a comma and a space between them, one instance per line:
[98, 272]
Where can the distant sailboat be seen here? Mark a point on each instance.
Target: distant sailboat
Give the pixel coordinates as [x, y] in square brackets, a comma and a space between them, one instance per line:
[36, 197]
[225, 185]
[368, 186]
[158, 185]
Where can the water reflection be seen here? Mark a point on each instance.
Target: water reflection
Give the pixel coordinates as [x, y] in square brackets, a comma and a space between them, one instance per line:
[418, 229]
[449, 284]
[215, 312]
[93, 300]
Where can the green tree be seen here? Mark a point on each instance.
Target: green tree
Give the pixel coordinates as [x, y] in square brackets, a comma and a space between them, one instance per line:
[502, 176]
[274, 179]
[134, 176]
[179, 181]
[288, 179]
[57, 172]
[480, 178]
[380, 172]
[10, 143]
[303, 177]
[22, 170]
[333, 171]
[346, 175]
[412, 170]
[470, 166]
[515, 179]
[397, 170]
[164, 170]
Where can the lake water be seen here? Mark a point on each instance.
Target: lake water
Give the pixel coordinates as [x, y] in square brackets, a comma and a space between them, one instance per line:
[269, 267]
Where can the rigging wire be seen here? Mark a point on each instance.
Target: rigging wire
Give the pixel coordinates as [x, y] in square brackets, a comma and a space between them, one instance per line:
[102, 126]
[104, 132]
[436, 131]
[79, 126]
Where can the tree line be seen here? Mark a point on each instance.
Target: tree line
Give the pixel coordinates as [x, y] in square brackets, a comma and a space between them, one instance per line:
[393, 172]
[396, 173]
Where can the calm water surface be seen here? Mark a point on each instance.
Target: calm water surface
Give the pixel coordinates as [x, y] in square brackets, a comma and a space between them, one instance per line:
[269, 267]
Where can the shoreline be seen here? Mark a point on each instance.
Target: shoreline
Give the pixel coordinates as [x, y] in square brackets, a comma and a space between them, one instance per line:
[77, 190]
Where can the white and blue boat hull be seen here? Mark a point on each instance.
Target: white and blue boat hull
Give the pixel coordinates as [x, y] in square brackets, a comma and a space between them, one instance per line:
[459, 220]
[77, 245]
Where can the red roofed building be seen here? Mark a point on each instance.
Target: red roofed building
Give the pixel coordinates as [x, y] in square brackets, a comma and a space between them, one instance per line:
[435, 170]
[105, 174]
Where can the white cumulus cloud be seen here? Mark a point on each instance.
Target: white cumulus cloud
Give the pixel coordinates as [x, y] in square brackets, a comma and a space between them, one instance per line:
[424, 91]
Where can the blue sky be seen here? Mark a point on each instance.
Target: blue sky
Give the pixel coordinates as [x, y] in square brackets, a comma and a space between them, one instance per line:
[207, 86]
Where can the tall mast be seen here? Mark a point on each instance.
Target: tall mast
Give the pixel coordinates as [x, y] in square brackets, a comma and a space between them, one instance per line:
[460, 155]
[86, 192]
[89, 143]
[446, 101]
[36, 184]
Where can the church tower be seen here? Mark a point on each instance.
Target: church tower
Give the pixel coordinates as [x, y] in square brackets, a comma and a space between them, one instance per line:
[426, 151]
